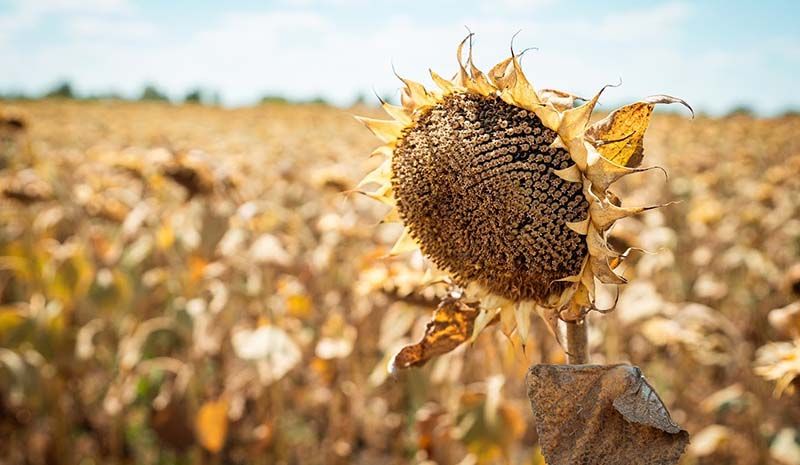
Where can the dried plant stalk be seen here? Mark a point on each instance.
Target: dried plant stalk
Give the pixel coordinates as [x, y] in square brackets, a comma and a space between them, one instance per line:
[577, 342]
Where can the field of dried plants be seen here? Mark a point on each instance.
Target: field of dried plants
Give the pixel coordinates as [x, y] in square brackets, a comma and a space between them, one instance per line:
[190, 284]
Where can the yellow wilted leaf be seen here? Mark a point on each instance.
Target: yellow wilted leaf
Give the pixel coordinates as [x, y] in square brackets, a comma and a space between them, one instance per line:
[197, 266]
[323, 368]
[298, 305]
[165, 237]
[450, 327]
[211, 424]
[620, 135]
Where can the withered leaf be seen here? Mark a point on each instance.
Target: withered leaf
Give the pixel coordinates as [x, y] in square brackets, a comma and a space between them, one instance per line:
[452, 324]
[211, 424]
[601, 414]
[619, 136]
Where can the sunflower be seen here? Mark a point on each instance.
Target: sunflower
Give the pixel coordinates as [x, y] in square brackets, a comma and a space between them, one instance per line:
[505, 189]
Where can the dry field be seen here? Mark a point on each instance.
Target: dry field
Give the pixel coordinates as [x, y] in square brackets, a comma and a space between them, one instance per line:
[187, 284]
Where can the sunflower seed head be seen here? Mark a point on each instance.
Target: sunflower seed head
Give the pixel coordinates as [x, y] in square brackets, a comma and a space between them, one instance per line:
[474, 182]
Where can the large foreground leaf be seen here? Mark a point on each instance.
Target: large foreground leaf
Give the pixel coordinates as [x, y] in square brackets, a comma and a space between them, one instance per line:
[601, 414]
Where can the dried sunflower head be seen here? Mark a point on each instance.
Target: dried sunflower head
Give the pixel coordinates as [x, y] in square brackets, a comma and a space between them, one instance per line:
[506, 188]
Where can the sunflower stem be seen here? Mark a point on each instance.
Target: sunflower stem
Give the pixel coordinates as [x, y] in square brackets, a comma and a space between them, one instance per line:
[577, 342]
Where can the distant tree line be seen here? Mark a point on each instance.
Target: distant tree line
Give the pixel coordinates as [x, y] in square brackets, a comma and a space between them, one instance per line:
[280, 99]
[198, 95]
[152, 93]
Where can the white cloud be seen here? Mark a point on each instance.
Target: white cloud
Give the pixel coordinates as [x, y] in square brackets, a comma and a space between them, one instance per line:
[305, 53]
[92, 27]
[300, 52]
[660, 20]
[335, 3]
[244, 29]
[518, 6]
[36, 9]
[76, 5]
[26, 14]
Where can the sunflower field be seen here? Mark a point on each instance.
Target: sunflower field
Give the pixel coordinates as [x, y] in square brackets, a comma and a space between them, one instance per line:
[186, 284]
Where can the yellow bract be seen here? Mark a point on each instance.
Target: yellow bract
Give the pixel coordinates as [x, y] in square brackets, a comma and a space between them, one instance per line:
[619, 135]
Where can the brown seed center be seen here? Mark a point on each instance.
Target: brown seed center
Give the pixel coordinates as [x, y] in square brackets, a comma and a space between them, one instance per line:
[474, 183]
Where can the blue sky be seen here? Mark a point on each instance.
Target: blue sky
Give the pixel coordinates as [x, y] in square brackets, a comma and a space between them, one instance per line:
[715, 54]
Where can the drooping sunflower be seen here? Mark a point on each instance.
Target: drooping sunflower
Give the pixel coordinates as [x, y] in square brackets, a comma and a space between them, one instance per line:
[506, 189]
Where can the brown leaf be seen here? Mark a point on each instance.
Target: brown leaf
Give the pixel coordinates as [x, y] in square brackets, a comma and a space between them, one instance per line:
[192, 172]
[601, 414]
[10, 122]
[451, 326]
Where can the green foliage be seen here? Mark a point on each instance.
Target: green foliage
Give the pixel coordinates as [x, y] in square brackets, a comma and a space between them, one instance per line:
[104, 96]
[194, 96]
[153, 93]
[741, 110]
[61, 90]
[318, 100]
[274, 99]
[791, 113]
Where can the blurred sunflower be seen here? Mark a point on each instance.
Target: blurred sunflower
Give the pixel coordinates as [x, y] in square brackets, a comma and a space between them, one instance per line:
[506, 188]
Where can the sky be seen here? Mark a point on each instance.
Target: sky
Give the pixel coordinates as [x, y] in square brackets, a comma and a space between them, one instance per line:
[717, 55]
